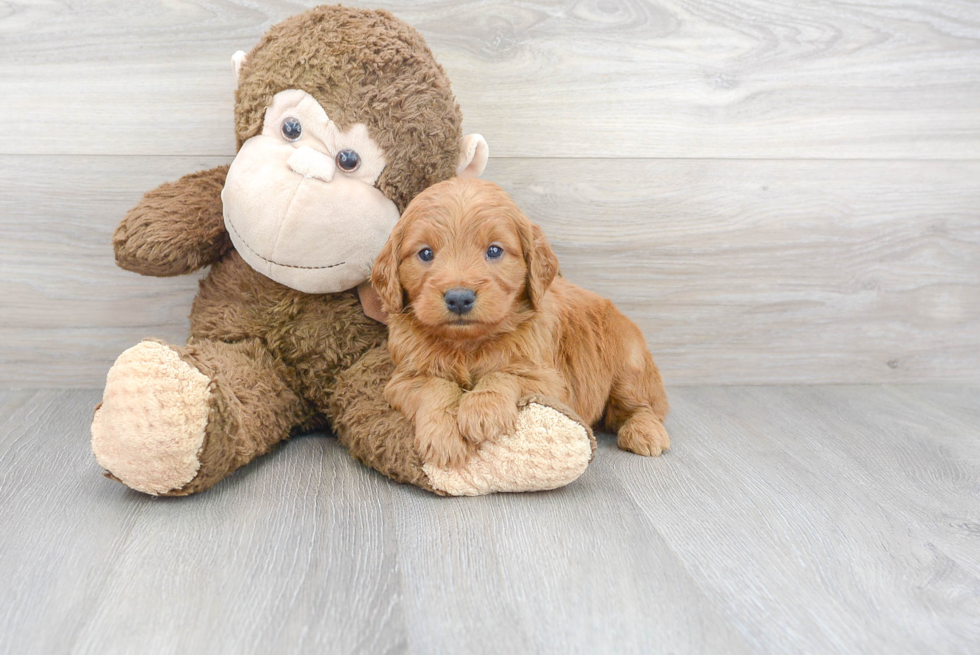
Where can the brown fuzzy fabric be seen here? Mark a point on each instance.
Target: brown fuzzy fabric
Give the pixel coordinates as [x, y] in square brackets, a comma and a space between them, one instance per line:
[372, 431]
[361, 66]
[315, 336]
[177, 228]
[252, 407]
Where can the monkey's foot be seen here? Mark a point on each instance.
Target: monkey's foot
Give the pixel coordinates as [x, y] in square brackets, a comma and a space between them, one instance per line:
[548, 449]
[149, 430]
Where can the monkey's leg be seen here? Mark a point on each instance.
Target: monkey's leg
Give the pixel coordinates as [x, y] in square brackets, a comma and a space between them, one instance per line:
[176, 420]
[549, 448]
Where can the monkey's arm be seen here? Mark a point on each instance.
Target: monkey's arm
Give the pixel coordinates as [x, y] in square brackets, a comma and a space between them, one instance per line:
[176, 228]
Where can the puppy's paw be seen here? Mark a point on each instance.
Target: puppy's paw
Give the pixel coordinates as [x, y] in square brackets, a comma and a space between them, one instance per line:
[643, 434]
[485, 415]
[439, 442]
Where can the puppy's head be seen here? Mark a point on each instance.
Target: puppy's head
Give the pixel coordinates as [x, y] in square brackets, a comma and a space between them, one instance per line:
[465, 261]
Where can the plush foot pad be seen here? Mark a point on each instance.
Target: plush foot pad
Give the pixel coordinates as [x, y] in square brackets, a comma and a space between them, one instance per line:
[150, 427]
[547, 450]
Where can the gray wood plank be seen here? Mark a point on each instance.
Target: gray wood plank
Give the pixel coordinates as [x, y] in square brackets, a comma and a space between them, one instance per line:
[954, 402]
[923, 464]
[784, 519]
[776, 271]
[295, 554]
[576, 570]
[919, 462]
[803, 473]
[57, 268]
[62, 526]
[737, 271]
[618, 78]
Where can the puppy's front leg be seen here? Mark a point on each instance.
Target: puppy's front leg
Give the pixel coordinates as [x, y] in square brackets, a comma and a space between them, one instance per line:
[431, 404]
[490, 409]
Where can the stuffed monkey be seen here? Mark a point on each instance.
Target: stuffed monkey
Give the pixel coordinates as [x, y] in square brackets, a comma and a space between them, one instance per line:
[342, 116]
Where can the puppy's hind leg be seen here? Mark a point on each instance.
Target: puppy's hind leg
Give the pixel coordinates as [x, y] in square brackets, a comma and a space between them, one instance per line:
[637, 403]
[643, 433]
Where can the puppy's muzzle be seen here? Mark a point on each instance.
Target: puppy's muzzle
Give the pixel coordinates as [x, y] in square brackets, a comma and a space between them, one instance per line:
[459, 301]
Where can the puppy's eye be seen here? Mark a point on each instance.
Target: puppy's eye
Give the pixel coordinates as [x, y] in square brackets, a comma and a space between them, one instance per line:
[495, 252]
[426, 254]
[348, 160]
[291, 129]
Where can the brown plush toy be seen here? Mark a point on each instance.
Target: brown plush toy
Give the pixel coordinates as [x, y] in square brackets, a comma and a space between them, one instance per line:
[342, 117]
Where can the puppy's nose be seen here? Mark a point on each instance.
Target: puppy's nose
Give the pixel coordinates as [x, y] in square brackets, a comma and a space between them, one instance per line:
[459, 300]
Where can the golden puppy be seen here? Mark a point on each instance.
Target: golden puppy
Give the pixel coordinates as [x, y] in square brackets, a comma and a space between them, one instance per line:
[478, 320]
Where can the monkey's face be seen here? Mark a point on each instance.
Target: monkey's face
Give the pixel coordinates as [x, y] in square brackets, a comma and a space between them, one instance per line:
[300, 202]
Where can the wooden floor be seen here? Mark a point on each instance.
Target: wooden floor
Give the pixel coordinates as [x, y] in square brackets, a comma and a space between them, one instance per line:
[785, 520]
[777, 192]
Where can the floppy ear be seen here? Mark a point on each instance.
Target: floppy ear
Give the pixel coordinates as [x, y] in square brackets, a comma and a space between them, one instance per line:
[540, 259]
[384, 275]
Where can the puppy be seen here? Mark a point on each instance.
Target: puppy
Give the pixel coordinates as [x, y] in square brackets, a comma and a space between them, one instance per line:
[479, 318]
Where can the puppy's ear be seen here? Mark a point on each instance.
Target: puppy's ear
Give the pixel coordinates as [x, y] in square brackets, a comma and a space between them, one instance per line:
[541, 261]
[384, 275]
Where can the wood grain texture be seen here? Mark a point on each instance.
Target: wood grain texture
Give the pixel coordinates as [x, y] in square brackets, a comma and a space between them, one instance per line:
[91, 567]
[954, 402]
[640, 134]
[620, 78]
[784, 519]
[801, 510]
[737, 271]
[755, 272]
[578, 570]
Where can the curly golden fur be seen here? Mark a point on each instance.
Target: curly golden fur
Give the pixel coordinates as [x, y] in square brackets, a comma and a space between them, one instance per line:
[460, 372]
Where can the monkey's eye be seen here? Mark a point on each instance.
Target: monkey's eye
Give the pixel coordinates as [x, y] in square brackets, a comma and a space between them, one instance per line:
[426, 254]
[348, 160]
[495, 252]
[291, 129]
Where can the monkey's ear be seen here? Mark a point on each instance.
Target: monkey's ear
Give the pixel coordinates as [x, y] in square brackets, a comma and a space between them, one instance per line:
[384, 275]
[237, 61]
[473, 155]
[541, 262]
